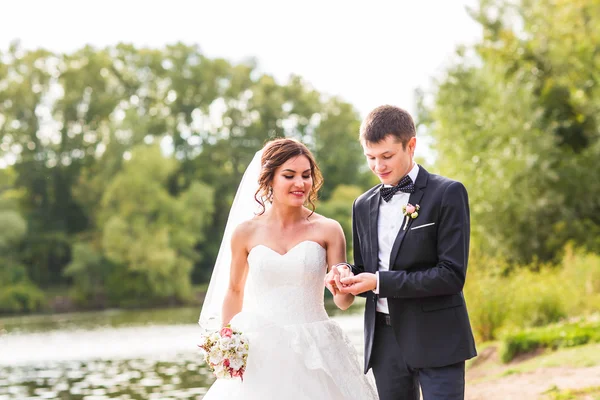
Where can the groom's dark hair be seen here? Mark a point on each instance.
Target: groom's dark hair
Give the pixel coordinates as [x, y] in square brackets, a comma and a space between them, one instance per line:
[387, 120]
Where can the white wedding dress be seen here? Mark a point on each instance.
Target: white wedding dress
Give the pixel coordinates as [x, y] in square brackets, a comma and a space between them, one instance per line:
[296, 351]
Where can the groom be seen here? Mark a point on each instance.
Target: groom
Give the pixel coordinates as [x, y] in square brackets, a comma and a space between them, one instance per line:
[411, 244]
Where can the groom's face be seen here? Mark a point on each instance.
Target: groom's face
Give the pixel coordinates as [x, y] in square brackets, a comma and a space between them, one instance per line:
[389, 160]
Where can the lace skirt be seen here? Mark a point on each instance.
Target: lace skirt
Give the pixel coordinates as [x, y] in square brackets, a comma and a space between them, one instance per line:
[314, 360]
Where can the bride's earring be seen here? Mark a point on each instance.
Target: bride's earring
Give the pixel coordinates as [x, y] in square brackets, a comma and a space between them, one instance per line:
[270, 194]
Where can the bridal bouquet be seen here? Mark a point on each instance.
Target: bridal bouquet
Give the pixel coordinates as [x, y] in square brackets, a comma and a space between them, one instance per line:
[225, 353]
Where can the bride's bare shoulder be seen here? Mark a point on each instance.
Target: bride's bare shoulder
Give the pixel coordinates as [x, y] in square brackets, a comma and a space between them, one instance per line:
[326, 224]
[247, 227]
[246, 231]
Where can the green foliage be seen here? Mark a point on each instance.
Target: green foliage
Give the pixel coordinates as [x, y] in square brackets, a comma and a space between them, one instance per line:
[17, 293]
[21, 297]
[501, 299]
[339, 208]
[94, 108]
[515, 119]
[44, 254]
[488, 296]
[147, 238]
[338, 151]
[551, 337]
[127, 288]
[538, 298]
[581, 277]
[554, 393]
[11, 273]
[89, 270]
[9, 196]
[13, 229]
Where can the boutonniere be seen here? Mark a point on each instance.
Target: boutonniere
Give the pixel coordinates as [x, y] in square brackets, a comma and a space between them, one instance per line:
[410, 212]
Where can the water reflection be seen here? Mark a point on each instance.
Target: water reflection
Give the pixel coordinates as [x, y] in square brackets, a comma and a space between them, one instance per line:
[106, 379]
[141, 354]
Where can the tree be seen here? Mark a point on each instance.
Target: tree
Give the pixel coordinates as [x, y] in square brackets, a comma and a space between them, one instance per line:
[339, 208]
[17, 293]
[69, 123]
[146, 234]
[515, 120]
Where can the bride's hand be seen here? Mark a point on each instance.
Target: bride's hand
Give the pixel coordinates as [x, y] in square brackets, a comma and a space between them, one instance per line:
[331, 280]
[343, 272]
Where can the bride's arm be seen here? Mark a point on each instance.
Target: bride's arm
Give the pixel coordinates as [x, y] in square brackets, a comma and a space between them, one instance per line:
[336, 253]
[234, 297]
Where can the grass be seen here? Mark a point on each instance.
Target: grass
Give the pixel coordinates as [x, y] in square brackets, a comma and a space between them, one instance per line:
[555, 336]
[574, 394]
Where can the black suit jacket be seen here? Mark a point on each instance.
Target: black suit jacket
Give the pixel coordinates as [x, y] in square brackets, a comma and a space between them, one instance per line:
[428, 265]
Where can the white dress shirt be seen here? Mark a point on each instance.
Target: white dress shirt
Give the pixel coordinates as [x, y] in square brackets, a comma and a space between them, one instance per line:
[389, 223]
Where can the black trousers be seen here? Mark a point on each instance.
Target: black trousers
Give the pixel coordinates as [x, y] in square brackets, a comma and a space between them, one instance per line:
[396, 380]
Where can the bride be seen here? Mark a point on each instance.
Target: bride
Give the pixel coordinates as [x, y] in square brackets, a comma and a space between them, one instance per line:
[268, 283]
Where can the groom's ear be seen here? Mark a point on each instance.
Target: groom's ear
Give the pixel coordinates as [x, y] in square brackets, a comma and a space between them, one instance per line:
[412, 144]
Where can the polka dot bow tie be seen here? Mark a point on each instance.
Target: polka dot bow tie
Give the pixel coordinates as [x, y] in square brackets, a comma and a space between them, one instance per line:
[405, 185]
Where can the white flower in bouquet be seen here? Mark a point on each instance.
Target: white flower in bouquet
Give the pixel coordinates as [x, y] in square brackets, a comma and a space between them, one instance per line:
[215, 356]
[241, 348]
[225, 353]
[226, 343]
[236, 363]
[221, 371]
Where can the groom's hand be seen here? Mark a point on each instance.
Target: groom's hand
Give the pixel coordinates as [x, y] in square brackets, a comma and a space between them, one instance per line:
[359, 283]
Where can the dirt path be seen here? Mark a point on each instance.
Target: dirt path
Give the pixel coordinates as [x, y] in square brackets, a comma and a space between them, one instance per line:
[532, 385]
[482, 384]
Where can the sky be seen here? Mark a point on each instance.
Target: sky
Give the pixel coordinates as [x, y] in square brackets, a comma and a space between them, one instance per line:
[366, 52]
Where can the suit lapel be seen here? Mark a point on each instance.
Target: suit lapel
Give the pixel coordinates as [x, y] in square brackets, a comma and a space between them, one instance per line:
[414, 199]
[373, 237]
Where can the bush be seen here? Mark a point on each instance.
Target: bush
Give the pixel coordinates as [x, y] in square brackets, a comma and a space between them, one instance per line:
[487, 294]
[22, 297]
[502, 297]
[581, 274]
[89, 271]
[499, 300]
[551, 337]
[538, 298]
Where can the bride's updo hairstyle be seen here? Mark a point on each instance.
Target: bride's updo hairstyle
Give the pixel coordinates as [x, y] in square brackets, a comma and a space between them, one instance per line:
[275, 153]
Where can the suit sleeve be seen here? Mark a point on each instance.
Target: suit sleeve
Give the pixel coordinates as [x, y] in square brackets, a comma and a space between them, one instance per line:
[358, 265]
[448, 275]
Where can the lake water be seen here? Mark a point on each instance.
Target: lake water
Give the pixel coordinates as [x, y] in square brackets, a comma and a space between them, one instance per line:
[139, 354]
